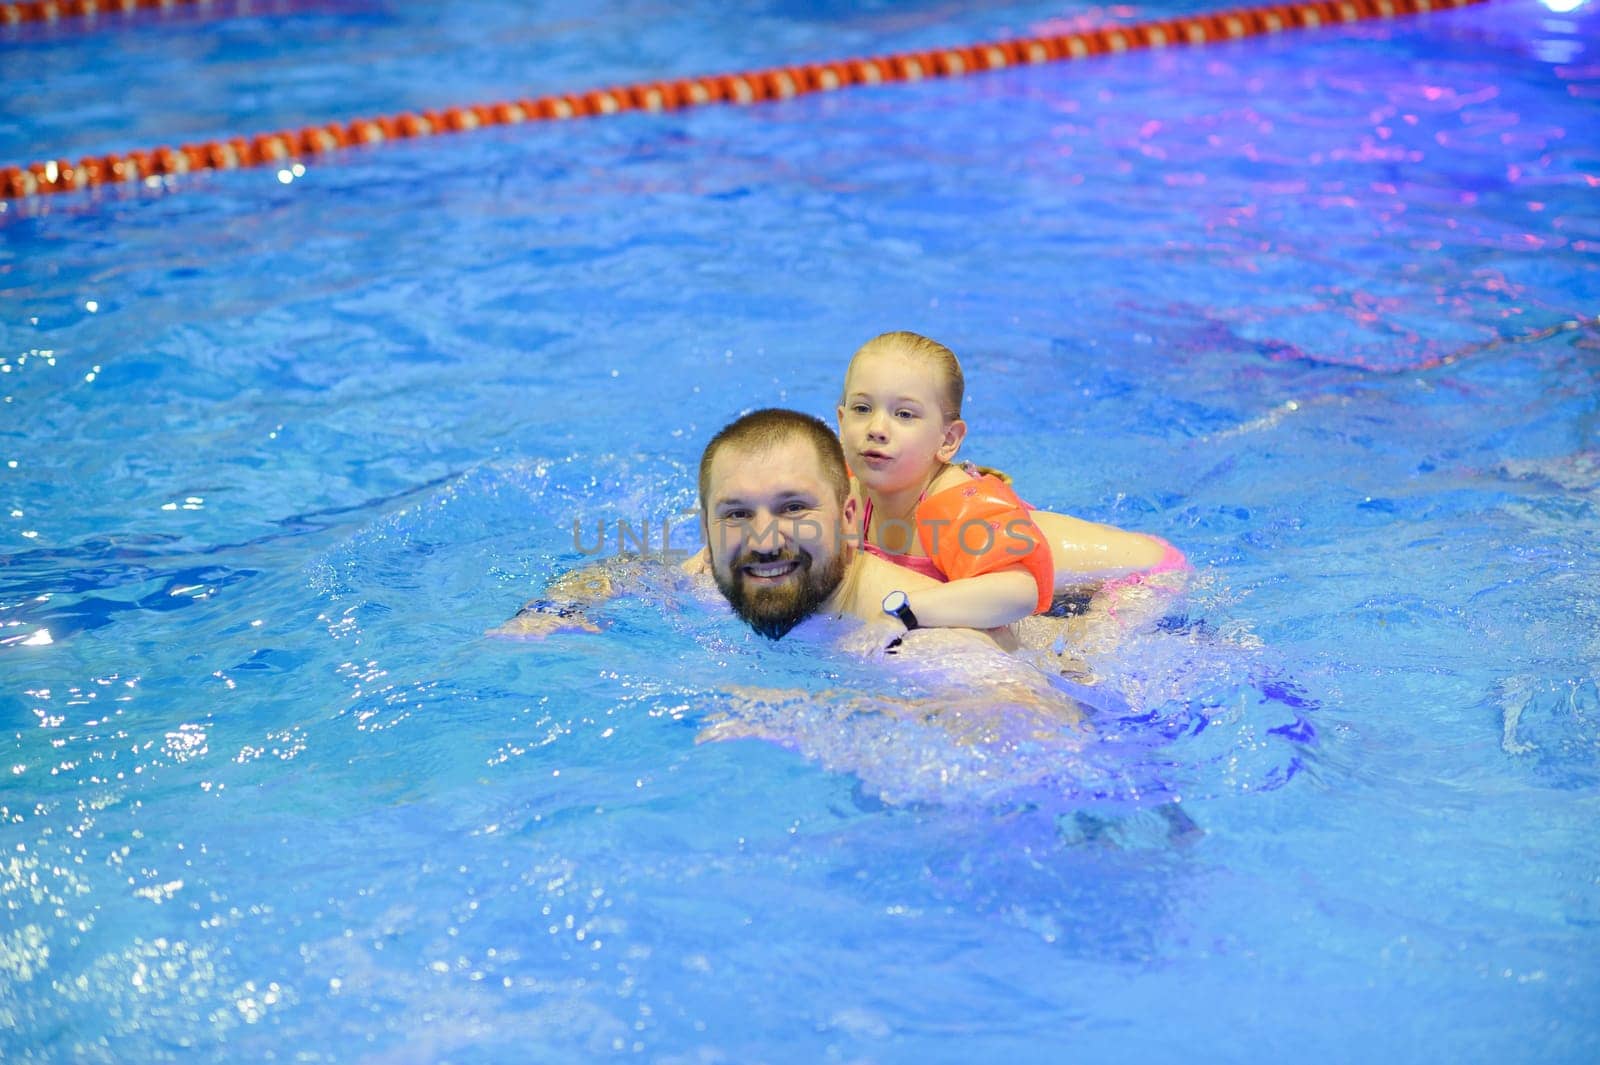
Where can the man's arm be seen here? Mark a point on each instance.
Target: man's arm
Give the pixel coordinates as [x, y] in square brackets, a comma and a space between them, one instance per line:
[562, 607]
[571, 598]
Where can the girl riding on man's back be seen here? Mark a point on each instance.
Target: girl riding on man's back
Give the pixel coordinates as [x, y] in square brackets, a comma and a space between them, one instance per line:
[900, 424]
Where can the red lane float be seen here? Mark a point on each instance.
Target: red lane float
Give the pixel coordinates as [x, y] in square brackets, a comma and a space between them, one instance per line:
[55, 10]
[778, 83]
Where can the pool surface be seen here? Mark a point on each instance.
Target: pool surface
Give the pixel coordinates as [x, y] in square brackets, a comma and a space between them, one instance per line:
[277, 447]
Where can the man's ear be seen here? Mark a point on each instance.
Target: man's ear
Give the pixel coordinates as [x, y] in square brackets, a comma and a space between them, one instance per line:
[850, 532]
[954, 433]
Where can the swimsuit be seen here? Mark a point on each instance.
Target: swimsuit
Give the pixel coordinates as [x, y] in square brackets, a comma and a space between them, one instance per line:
[917, 563]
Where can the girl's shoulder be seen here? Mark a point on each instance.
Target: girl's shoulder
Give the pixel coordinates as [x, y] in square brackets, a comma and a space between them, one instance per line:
[973, 469]
[963, 473]
[950, 477]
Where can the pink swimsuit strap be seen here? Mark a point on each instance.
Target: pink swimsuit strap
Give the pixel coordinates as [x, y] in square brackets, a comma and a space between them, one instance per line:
[916, 563]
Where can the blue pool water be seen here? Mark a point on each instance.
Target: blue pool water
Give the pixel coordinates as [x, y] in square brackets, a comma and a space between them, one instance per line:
[276, 449]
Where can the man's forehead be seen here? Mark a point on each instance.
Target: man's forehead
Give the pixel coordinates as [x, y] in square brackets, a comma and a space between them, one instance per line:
[788, 467]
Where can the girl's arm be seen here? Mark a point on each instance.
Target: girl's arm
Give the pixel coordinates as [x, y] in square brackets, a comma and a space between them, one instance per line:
[986, 601]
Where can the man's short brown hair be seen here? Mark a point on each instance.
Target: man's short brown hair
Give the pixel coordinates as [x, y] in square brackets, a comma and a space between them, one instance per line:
[761, 430]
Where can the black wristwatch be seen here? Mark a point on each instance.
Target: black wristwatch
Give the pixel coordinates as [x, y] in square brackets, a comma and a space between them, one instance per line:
[550, 606]
[896, 605]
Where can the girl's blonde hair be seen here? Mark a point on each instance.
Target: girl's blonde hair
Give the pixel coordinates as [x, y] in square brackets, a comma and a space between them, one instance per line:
[953, 386]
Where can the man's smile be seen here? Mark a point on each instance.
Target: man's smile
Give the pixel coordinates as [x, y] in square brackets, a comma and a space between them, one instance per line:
[770, 571]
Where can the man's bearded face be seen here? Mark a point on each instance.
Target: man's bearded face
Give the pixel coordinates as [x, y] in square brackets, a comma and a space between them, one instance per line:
[773, 591]
[773, 525]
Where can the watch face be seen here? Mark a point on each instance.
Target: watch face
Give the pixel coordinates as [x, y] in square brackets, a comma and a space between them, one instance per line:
[894, 602]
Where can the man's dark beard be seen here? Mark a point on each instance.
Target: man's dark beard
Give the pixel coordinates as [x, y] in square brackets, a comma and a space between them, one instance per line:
[772, 612]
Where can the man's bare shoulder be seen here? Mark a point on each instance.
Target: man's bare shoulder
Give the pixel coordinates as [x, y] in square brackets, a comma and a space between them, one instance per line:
[874, 578]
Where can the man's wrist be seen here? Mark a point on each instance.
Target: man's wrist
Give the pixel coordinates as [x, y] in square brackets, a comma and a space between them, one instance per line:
[553, 607]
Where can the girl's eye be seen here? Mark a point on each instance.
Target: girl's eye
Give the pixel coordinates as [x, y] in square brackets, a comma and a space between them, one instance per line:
[905, 415]
[858, 408]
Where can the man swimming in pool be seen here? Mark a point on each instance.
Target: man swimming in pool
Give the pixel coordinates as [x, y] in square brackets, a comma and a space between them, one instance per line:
[775, 507]
[775, 514]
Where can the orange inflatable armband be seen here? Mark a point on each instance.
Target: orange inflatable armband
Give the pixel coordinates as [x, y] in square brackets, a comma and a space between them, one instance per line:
[982, 527]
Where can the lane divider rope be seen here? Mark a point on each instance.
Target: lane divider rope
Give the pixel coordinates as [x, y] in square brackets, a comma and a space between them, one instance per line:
[778, 83]
[12, 14]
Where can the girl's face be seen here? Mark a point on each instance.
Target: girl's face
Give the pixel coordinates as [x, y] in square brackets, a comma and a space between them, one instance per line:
[891, 423]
